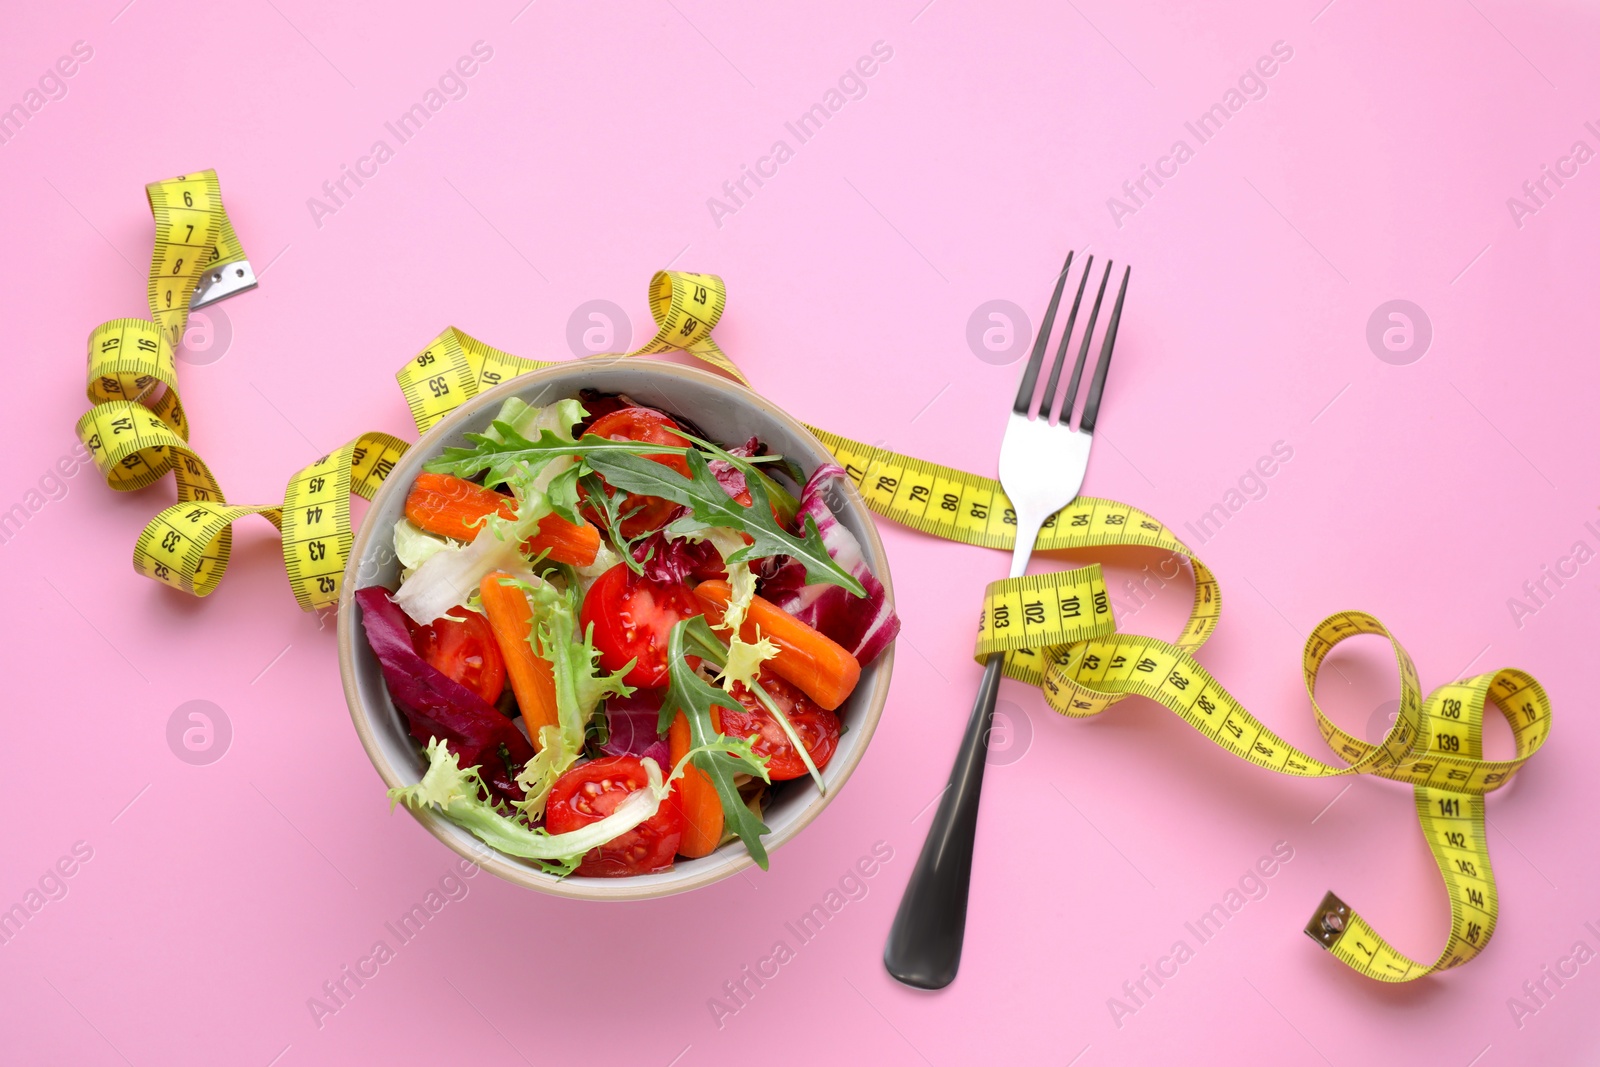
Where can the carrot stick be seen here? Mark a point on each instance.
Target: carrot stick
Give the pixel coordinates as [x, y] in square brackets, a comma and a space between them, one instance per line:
[533, 680]
[695, 796]
[824, 669]
[577, 545]
[454, 507]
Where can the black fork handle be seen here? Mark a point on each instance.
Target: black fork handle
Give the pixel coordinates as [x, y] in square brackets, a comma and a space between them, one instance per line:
[924, 947]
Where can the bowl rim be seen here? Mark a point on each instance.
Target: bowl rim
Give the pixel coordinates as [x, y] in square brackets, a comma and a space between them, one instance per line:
[485, 857]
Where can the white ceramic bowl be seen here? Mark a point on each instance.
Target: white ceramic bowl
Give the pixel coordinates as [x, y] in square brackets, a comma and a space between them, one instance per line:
[727, 412]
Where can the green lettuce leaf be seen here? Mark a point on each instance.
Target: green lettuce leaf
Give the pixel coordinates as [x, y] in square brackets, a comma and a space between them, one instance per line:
[413, 545]
[525, 419]
[580, 686]
[458, 794]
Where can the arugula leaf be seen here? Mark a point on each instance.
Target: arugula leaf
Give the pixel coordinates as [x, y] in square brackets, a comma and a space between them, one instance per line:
[506, 455]
[695, 697]
[710, 505]
[611, 504]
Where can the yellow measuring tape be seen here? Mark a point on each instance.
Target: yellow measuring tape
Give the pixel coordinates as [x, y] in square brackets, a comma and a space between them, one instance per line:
[137, 431]
[1056, 630]
[1058, 633]
[456, 367]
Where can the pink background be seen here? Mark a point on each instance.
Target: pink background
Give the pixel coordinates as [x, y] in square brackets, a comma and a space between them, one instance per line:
[219, 898]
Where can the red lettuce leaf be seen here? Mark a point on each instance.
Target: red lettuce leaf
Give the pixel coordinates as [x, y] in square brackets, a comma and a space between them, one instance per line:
[675, 559]
[632, 727]
[864, 625]
[728, 476]
[437, 706]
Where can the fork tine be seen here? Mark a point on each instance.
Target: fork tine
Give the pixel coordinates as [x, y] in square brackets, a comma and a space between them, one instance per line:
[1048, 401]
[1083, 351]
[1030, 373]
[1091, 406]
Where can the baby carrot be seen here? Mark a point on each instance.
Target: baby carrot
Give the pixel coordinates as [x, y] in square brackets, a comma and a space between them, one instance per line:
[454, 507]
[695, 797]
[824, 669]
[532, 678]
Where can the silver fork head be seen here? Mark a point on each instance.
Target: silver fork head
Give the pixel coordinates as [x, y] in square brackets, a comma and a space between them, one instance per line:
[1043, 459]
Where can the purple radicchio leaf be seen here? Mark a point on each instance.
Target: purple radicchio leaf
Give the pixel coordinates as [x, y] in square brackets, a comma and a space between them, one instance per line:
[667, 559]
[632, 727]
[728, 476]
[864, 625]
[436, 705]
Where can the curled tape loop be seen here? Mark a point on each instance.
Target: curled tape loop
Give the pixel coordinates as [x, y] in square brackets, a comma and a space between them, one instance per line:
[136, 429]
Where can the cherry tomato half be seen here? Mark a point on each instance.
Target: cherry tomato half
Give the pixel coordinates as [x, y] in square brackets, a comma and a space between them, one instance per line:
[465, 651]
[588, 793]
[653, 427]
[633, 619]
[818, 728]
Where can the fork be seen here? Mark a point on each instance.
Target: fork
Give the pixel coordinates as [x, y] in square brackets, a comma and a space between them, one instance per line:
[1042, 463]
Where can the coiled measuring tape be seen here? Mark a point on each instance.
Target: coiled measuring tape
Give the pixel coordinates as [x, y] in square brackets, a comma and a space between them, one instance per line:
[137, 430]
[1057, 630]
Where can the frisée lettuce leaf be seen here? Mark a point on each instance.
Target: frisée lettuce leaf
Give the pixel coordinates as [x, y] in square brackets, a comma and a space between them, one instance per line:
[458, 795]
[579, 686]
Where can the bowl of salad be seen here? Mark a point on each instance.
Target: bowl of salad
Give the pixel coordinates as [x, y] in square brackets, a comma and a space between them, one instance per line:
[616, 630]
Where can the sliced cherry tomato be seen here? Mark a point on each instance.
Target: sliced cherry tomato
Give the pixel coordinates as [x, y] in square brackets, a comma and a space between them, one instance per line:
[653, 427]
[647, 425]
[597, 404]
[818, 728]
[466, 651]
[633, 619]
[588, 793]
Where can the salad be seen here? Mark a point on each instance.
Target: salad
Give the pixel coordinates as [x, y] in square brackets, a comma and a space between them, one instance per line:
[613, 639]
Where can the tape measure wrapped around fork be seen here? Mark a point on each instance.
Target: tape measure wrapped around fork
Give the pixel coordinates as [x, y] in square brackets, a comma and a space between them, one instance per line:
[1057, 630]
